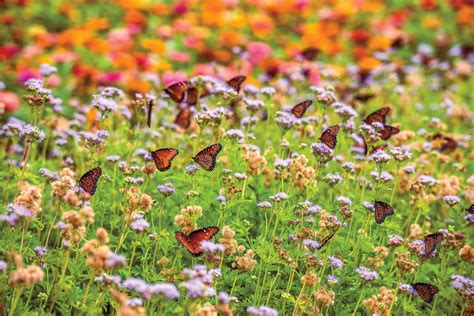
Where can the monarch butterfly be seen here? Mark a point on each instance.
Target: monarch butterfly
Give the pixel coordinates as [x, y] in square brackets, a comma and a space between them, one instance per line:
[206, 158]
[447, 144]
[236, 82]
[382, 210]
[88, 181]
[193, 93]
[327, 238]
[431, 241]
[183, 119]
[378, 116]
[364, 97]
[177, 90]
[299, 109]
[163, 157]
[329, 136]
[309, 53]
[426, 291]
[377, 149]
[388, 131]
[192, 242]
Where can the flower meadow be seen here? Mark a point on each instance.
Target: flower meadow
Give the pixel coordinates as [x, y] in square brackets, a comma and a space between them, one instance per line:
[226, 157]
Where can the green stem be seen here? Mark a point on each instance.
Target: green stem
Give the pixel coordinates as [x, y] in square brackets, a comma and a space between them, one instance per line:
[18, 293]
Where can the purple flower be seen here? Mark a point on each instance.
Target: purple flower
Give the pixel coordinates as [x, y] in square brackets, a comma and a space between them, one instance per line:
[107, 279]
[311, 243]
[94, 139]
[199, 281]
[469, 218]
[463, 285]
[169, 290]
[407, 288]
[384, 177]
[209, 246]
[113, 158]
[409, 169]
[332, 179]
[15, 213]
[115, 260]
[3, 266]
[400, 153]
[40, 251]
[103, 104]
[280, 196]
[344, 201]
[322, 152]
[139, 224]
[427, 180]
[235, 134]
[47, 70]
[281, 164]
[48, 174]
[366, 274]
[139, 286]
[61, 225]
[225, 298]
[451, 200]
[348, 167]
[264, 205]
[380, 157]
[191, 169]
[166, 189]
[262, 311]
[332, 279]
[395, 240]
[336, 263]
[134, 302]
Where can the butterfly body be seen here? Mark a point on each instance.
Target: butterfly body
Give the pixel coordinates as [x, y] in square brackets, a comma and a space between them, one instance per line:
[163, 157]
[382, 210]
[426, 291]
[329, 136]
[88, 181]
[192, 242]
[206, 158]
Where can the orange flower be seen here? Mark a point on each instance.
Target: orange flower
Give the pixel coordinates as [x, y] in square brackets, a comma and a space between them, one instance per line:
[466, 15]
[97, 24]
[368, 63]
[230, 38]
[135, 17]
[138, 85]
[430, 22]
[160, 9]
[379, 43]
[157, 46]
[98, 46]
[262, 25]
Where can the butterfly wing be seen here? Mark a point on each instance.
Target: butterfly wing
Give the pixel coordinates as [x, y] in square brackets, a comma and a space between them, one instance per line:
[329, 136]
[431, 241]
[192, 242]
[449, 144]
[206, 158]
[310, 53]
[378, 116]
[183, 119]
[470, 209]
[388, 131]
[163, 157]
[382, 210]
[177, 90]
[236, 83]
[426, 291]
[88, 181]
[326, 239]
[377, 149]
[299, 109]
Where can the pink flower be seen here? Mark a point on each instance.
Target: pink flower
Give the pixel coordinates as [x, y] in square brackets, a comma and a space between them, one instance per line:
[258, 51]
[179, 57]
[119, 40]
[204, 70]
[54, 81]
[172, 77]
[26, 74]
[9, 101]
[108, 78]
[192, 42]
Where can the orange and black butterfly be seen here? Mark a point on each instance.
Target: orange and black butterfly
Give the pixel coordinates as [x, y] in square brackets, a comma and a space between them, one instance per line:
[470, 209]
[192, 242]
[163, 157]
[382, 210]
[206, 158]
[299, 109]
[183, 119]
[192, 95]
[364, 97]
[310, 53]
[447, 144]
[236, 82]
[88, 181]
[426, 291]
[431, 241]
[377, 149]
[388, 131]
[326, 239]
[177, 90]
[378, 116]
[329, 136]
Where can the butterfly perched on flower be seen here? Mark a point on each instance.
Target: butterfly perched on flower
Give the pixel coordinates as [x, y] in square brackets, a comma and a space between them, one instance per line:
[183, 119]
[299, 109]
[378, 116]
[206, 158]
[192, 242]
[425, 290]
[444, 143]
[388, 131]
[163, 157]
[329, 136]
[88, 182]
[431, 241]
[327, 238]
[177, 90]
[382, 210]
[236, 82]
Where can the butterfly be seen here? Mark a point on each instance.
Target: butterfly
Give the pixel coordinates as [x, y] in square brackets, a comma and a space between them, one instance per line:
[309, 53]
[329, 136]
[377, 149]
[236, 82]
[388, 131]
[426, 291]
[431, 241]
[364, 97]
[192, 242]
[206, 158]
[163, 157]
[183, 119]
[378, 116]
[470, 209]
[299, 109]
[382, 210]
[447, 144]
[193, 93]
[88, 181]
[326, 239]
[177, 90]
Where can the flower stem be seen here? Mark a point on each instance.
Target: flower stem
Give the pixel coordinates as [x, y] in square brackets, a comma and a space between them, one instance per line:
[18, 293]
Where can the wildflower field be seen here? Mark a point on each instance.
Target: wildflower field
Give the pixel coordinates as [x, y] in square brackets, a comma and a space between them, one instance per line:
[236, 157]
